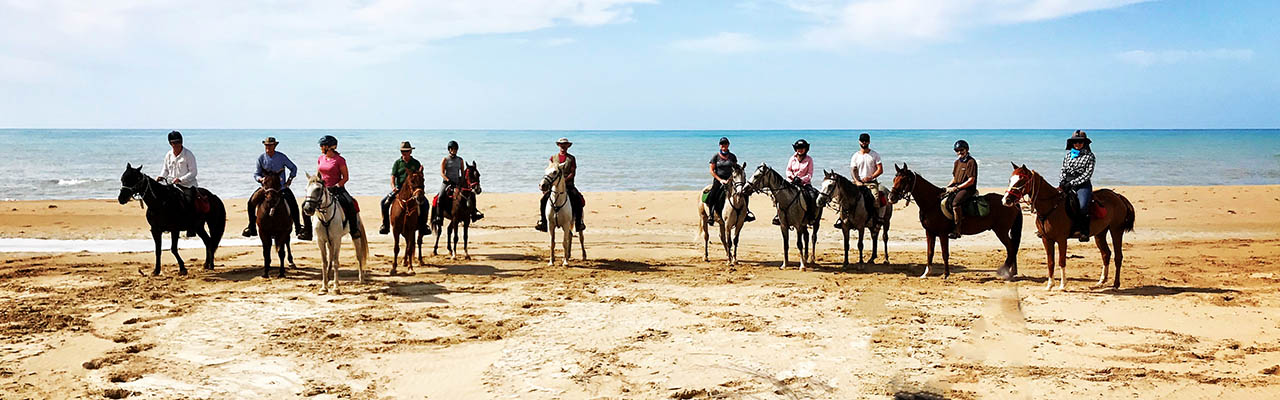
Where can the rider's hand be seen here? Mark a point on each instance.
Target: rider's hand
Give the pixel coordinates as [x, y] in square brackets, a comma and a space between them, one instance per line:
[176, 181]
[952, 189]
[288, 182]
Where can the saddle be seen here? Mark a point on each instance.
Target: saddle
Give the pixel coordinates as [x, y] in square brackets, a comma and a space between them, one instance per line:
[1096, 210]
[201, 202]
[975, 206]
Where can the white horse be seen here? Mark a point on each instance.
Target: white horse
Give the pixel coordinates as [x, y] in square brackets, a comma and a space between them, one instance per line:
[730, 217]
[792, 212]
[559, 212]
[330, 227]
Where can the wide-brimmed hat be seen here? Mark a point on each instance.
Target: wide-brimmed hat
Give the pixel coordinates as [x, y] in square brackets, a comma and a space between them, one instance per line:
[270, 140]
[563, 140]
[1078, 136]
[405, 146]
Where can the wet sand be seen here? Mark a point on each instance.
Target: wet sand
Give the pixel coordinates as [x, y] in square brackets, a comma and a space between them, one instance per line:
[1196, 315]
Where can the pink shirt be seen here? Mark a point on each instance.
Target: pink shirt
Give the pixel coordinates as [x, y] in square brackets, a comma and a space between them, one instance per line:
[331, 169]
[800, 169]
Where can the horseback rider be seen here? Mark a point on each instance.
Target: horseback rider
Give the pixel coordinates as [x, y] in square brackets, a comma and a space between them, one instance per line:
[451, 167]
[332, 168]
[576, 201]
[180, 171]
[400, 172]
[963, 184]
[722, 165]
[1077, 172]
[800, 173]
[268, 163]
[864, 168]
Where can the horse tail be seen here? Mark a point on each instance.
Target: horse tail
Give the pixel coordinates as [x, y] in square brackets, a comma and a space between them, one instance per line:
[1015, 233]
[216, 219]
[1130, 215]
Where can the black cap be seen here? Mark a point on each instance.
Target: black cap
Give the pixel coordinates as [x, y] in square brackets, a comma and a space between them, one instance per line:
[864, 137]
[724, 140]
[960, 144]
[175, 136]
[453, 144]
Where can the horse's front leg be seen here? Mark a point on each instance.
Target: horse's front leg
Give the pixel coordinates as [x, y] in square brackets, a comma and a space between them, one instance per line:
[1048, 249]
[725, 241]
[280, 251]
[466, 231]
[409, 251]
[1062, 264]
[173, 247]
[324, 263]
[785, 249]
[334, 263]
[802, 244]
[568, 244]
[395, 250]
[861, 232]
[551, 228]
[875, 247]
[946, 255]
[266, 254]
[737, 234]
[845, 231]
[928, 260]
[156, 235]
[582, 246]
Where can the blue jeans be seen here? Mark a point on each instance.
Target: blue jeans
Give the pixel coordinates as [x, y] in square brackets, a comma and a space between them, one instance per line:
[1083, 194]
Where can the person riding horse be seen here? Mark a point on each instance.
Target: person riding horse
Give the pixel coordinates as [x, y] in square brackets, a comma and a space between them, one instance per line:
[399, 172]
[270, 162]
[451, 167]
[332, 168]
[963, 184]
[180, 171]
[722, 164]
[1077, 172]
[575, 197]
[864, 168]
[800, 173]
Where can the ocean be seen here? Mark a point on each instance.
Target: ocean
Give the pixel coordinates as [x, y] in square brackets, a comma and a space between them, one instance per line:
[86, 164]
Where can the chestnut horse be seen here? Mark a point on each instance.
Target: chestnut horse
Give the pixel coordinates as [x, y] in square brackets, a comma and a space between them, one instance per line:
[405, 214]
[1054, 225]
[462, 205]
[274, 223]
[1005, 221]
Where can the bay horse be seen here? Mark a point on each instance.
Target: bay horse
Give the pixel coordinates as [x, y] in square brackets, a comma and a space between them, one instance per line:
[168, 210]
[274, 223]
[406, 214]
[559, 212]
[851, 202]
[330, 227]
[731, 217]
[1054, 225]
[462, 205]
[792, 210]
[1004, 220]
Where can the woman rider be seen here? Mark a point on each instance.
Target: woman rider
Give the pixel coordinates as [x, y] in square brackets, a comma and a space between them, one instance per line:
[333, 170]
[800, 173]
[1077, 171]
[722, 165]
[451, 175]
[964, 180]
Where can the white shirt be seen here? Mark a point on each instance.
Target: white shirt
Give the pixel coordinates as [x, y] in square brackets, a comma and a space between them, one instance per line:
[864, 164]
[181, 167]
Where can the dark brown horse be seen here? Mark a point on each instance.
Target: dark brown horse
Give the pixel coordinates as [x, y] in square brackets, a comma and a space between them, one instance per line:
[168, 210]
[406, 213]
[1054, 225]
[461, 206]
[1005, 221]
[274, 223]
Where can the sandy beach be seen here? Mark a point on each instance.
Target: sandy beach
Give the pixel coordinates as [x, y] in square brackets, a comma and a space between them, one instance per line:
[1197, 314]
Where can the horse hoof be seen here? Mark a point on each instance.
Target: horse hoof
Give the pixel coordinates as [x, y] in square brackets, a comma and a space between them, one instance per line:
[182, 273]
[323, 292]
[924, 275]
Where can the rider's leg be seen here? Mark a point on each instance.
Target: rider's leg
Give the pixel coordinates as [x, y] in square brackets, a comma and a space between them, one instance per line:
[542, 215]
[576, 201]
[386, 210]
[348, 210]
[252, 209]
[1084, 194]
[304, 231]
[957, 209]
[715, 201]
[440, 204]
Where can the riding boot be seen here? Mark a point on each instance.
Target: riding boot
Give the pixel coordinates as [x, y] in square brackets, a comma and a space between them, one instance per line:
[1083, 223]
[424, 217]
[959, 213]
[294, 212]
[577, 216]
[305, 232]
[252, 229]
[542, 215]
[776, 221]
[386, 210]
[349, 210]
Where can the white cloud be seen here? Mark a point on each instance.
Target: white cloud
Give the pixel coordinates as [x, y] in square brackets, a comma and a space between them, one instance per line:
[889, 22]
[1148, 58]
[341, 31]
[557, 42]
[723, 43]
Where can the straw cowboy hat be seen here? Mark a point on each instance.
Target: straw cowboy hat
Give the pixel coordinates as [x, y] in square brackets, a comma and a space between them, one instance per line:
[1078, 136]
[563, 140]
[270, 140]
[405, 146]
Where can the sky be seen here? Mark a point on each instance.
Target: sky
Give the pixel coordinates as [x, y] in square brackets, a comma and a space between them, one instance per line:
[639, 64]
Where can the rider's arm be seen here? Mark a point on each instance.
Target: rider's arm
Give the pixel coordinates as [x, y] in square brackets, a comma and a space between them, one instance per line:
[190, 162]
[257, 169]
[345, 176]
[573, 167]
[879, 170]
[164, 167]
[713, 172]
[443, 163]
[1087, 172]
[293, 168]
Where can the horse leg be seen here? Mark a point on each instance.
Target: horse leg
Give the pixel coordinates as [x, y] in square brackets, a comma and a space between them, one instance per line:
[551, 228]
[1048, 250]
[410, 249]
[802, 244]
[208, 250]
[884, 232]
[861, 232]
[466, 231]
[156, 235]
[737, 234]
[813, 243]
[334, 262]
[281, 242]
[1117, 239]
[785, 249]
[928, 263]
[395, 250]
[568, 244]
[946, 256]
[435, 250]
[173, 247]
[1062, 264]
[724, 241]
[582, 246]
[324, 262]
[1101, 241]
[266, 253]
[845, 230]
[288, 248]
[706, 235]
[1006, 268]
[875, 246]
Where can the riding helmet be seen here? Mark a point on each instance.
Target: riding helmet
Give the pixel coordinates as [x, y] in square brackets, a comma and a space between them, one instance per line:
[453, 144]
[800, 144]
[724, 140]
[328, 140]
[175, 136]
[960, 144]
[864, 137]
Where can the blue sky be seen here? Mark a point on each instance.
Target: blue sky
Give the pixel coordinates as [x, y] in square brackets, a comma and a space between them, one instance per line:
[639, 64]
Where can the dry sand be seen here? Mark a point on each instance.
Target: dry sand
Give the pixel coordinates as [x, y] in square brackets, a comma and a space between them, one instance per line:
[1195, 317]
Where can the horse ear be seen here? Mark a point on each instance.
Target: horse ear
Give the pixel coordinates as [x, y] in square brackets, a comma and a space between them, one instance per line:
[1024, 166]
[1015, 166]
[128, 165]
[904, 166]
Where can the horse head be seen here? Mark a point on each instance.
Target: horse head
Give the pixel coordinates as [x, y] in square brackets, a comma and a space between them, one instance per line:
[903, 182]
[472, 177]
[315, 193]
[1018, 181]
[132, 182]
[830, 181]
[552, 173]
[414, 185]
[757, 178]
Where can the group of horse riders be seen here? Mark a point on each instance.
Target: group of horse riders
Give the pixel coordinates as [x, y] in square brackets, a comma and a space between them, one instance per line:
[180, 170]
[865, 167]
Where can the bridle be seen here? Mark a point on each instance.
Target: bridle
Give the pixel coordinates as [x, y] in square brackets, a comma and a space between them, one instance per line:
[322, 206]
[553, 180]
[140, 194]
[910, 192]
[1031, 195]
[777, 184]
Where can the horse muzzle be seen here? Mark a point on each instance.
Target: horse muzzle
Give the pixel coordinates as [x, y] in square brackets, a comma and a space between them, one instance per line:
[125, 195]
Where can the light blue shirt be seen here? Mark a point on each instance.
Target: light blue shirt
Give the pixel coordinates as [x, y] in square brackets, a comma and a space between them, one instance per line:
[271, 164]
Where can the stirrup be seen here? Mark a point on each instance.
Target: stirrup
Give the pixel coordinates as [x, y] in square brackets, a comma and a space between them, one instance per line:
[383, 230]
[249, 232]
[541, 226]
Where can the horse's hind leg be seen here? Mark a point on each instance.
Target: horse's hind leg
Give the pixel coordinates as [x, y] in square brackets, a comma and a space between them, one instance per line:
[1117, 239]
[265, 238]
[1006, 270]
[156, 235]
[582, 245]
[208, 250]
[281, 243]
[946, 256]
[1101, 240]
[173, 247]
[861, 233]
[466, 231]
[395, 251]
